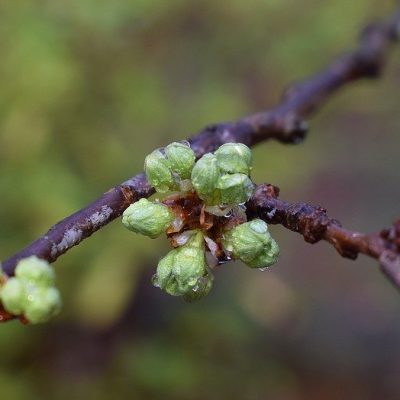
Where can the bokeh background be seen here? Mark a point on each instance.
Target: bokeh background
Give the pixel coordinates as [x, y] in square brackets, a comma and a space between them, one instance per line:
[87, 89]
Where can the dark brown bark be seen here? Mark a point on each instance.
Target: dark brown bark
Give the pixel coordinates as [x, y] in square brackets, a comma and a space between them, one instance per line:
[314, 224]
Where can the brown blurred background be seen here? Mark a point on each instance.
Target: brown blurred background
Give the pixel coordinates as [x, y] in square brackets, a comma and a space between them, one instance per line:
[87, 89]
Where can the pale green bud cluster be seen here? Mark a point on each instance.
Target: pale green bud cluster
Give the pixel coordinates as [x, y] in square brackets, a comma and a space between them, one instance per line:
[222, 182]
[183, 271]
[252, 243]
[166, 172]
[32, 292]
[223, 177]
[148, 218]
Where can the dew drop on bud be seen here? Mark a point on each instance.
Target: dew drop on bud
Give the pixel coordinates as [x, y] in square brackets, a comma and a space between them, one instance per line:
[154, 281]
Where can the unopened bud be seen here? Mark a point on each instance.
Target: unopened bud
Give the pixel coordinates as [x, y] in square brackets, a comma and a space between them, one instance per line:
[180, 159]
[43, 303]
[148, 218]
[235, 188]
[200, 290]
[179, 271]
[158, 172]
[13, 296]
[234, 158]
[35, 271]
[205, 175]
[252, 243]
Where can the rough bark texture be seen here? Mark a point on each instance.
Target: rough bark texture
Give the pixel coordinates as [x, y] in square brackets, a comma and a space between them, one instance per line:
[285, 123]
[314, 224]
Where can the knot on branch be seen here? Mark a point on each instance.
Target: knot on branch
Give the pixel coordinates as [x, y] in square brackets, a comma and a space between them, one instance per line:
[371, 56]
[265, 191]
[294, 127]
[308, 220]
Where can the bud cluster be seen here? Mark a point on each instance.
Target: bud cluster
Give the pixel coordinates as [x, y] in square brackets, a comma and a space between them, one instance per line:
[222, 178]
[31, 293]
[169, 170]
[216, 187]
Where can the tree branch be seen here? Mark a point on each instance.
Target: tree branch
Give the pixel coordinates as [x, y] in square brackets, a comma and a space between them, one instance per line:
[284, 123]
[314, 225]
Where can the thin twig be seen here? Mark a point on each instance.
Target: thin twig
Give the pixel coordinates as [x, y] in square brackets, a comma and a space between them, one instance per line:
[314, 225]
[284, 123]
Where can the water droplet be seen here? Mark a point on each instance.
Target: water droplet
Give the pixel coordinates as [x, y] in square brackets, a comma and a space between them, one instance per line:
[224, 259]
[185, 142]
[229, 214]
[154, 281]
[258, 226]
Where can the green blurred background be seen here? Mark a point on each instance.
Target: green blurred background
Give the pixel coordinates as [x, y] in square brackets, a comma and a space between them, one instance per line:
[87, 89]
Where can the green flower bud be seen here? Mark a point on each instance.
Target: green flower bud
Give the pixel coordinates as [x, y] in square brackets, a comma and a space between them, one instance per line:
[235, 188]
[147, 218]
[234, 158]
[163, 279]
[252, 243]
[267, 257]
[42, 304]
[179, 271]
[13, 296]
[202, 288]
[158, 172]
[205, 176]
[35, 271]
[180, 159]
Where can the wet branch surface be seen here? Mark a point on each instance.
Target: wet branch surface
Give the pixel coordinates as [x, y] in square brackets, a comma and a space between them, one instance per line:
[314, 224]
[286, 123]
